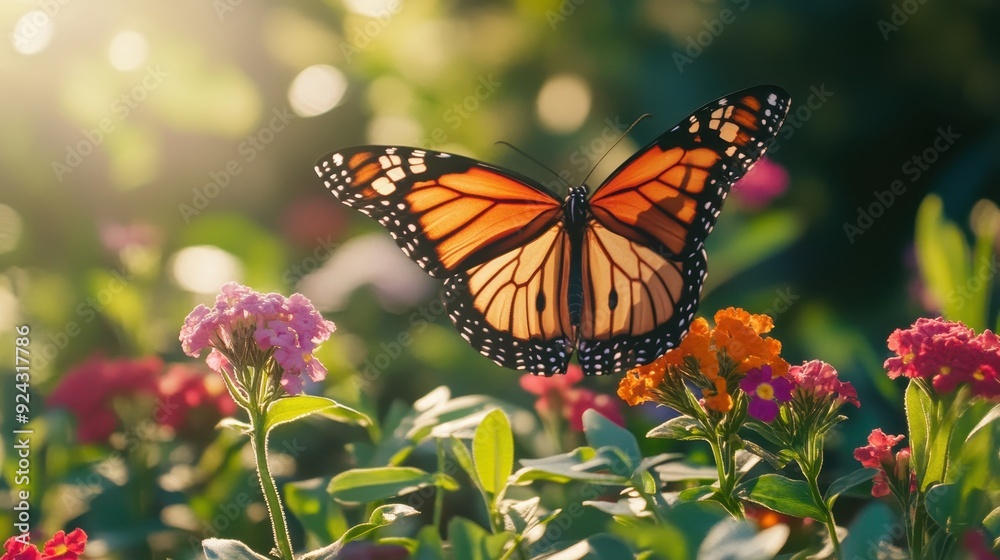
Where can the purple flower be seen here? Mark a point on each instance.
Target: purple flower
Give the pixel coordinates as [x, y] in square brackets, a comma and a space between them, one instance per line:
[764, 182]
[245, 326]
[765, 393]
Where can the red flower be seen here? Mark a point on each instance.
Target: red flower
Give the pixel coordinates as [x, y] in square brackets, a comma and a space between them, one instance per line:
[60, 547]
[191, 399]
[557, 396]
[89, 389]
[878, 455]
[947, 354]
[16, 549]
[65, 547]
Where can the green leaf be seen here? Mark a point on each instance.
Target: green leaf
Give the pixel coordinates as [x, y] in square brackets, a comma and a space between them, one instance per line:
[875, 523]
[597, 547]
[678, 471]
[464, 460]
[846, 482]
[952, 506]
[989, 417]
[382, 516]
[943, 257]
[601, 432]
[679, 428]
[784, 495]
[322, 518]
[234, 424]
[293, 408]
[578, 464]
[919, 418]
[358, 486]
[776, 460]
[228, 549]
[696, 493]
[739, 540]
[519, 515]
[469, 541]
[493, 451]
[429, 546]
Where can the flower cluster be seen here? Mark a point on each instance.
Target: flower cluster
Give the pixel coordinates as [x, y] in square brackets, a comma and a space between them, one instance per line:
[712, 359]
[878, 455]
[947, 354]
[557, 397]
[820, 380]
[183, 397]
[89, 391]
[249, 328]
[765, 392]
[61, 546]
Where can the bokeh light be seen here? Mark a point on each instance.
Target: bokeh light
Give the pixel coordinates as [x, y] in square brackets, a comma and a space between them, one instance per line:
[128, 50]
[203, 268]
[32, 33]
[10, 229]
[563, 103]
[316, 90]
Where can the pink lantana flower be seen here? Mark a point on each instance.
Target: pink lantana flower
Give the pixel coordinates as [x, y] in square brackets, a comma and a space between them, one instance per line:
[61, 546]
[948, 354]
[558, 396]
[247, 328]
[765, 393]
[878, 455]
[821, 380]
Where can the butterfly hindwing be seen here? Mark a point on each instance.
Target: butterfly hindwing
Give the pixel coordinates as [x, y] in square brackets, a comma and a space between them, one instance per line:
[446, 212]
[637, 301]
[671, 192]
[513, 308]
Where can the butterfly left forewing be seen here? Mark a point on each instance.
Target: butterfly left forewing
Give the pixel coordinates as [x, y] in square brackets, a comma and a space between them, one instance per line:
[446, 212]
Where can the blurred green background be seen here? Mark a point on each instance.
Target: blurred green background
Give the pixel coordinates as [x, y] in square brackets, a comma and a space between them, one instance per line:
[153, 151]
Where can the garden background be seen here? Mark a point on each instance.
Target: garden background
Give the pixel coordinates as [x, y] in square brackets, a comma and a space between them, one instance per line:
[152, 152]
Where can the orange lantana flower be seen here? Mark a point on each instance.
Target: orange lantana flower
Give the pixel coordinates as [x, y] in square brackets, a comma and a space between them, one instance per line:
[736, 343]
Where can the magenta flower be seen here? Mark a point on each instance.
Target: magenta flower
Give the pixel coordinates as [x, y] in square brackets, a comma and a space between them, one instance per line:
[947, 354]
[246, 328]
[764, 182]
[765, 393]
[821, 380]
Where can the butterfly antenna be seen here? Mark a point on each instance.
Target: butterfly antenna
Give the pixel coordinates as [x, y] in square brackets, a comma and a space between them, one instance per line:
[540, 164]
[620, 138]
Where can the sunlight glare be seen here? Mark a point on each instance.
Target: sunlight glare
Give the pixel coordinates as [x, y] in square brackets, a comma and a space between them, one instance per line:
[316, 90]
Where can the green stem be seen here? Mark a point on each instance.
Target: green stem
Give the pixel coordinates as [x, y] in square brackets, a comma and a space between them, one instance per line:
[438, 491]
[269, 488]
[725, 464]
[916, 533]
[828, 520]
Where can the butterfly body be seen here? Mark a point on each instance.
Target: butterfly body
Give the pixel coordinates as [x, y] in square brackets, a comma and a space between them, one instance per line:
[614, 276]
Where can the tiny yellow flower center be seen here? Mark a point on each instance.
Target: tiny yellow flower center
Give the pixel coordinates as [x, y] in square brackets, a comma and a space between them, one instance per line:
[60, 549]
[765, 391]
[307, 357]
[908, 358]
[978, 375]
[945, 370]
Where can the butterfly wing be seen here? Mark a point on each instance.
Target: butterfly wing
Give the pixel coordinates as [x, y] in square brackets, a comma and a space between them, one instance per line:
[643, 258]
[446, 212]
[497, 238]
[513, 308]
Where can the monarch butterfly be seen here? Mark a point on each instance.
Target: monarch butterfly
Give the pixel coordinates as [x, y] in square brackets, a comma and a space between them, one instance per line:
[530, 278]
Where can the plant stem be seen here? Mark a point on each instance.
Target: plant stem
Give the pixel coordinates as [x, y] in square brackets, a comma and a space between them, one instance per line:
[726, 467]
[831, 525]
[269, 488]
